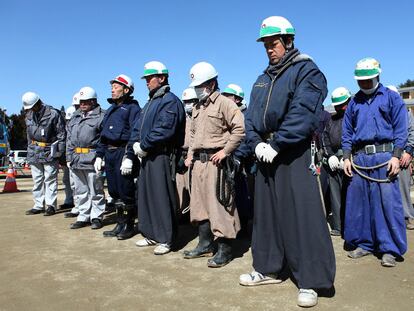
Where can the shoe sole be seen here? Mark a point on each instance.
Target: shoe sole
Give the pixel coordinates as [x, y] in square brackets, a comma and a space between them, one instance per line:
[264, 282]
[307, 305]
[211, 265]
[388, 265]
[199, 256]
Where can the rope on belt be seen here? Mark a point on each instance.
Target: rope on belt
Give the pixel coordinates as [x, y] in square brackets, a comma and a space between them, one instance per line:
[357, 169]
[225, 185]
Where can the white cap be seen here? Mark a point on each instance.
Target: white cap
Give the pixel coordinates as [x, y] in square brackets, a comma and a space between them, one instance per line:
[189, 94]
[234, 89]
[124, 80]
[275, 25]
[154, 68]
[29, 99]
[340, 95]
[75, 99]
[69, 112]
[87, 93]
[202, 72]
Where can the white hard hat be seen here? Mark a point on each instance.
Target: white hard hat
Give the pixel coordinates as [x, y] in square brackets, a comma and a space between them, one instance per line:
[367, 68]
[235, 90]
[87, 93]
[124, 80]
[75, 99]
[69, 112]
[189, 94]
[29, 99]
[393, 88]
[202, 72]
[154, 68]
[340, 95]
[275, 25]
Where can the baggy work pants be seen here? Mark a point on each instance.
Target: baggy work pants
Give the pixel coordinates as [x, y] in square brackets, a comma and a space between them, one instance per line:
[90, 192]
[289, 225]
[45, 184]
[119, 186]
[156, 199]
[374, 215]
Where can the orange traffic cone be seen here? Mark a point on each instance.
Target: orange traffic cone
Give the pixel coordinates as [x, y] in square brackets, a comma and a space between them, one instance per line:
[10, 183]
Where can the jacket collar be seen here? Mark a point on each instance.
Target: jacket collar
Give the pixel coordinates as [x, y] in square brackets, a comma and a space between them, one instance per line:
[160, 92]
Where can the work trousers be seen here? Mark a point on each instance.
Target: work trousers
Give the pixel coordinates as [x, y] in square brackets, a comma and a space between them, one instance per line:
[157, 202]
[374, 215]
[289, 226]
[45, 185]
[90, 192]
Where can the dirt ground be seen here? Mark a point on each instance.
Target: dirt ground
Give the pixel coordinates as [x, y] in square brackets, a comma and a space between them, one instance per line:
[46, 266]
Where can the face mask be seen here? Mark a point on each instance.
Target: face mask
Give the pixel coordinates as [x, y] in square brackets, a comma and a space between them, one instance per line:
[188, 108]
[375, 82]
[202, 93]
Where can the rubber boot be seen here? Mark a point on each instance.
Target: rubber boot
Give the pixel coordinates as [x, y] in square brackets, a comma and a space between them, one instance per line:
[205, 246]
[223, 255]
[128, 231]
[119, 222]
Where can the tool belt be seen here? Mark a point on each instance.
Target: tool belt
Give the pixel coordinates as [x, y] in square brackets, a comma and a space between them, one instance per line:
[83, 150]
[40, 143]
[203, 155]
[372, 149]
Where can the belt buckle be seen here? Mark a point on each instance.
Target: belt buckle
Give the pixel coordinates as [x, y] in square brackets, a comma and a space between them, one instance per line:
[203, 157]
[370, 149]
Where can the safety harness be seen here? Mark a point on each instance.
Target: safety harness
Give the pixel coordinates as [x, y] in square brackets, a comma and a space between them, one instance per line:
[225, 185]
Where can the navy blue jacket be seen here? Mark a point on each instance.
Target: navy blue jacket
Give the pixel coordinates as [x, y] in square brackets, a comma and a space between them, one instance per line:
[286, 102]
[160, 124]
[117, 124]
[375, 119]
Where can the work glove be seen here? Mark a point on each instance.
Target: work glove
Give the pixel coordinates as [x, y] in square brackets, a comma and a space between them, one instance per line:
[98, 164]
[126, 167]
[138, 151]
[68, 164]
[333, 162]
[265, 152]
[341, 164]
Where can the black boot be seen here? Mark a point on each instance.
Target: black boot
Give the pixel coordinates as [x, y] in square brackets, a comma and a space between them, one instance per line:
[119, 222]
[128, 231]
[223, 255]
[205, 246]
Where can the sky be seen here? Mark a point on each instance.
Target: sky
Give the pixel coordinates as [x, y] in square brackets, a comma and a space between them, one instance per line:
[55, 47]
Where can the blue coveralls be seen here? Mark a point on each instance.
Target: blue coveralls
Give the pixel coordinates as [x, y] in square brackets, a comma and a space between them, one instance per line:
[160, 130]
[116, 131]
[289, 226]
[374, 216]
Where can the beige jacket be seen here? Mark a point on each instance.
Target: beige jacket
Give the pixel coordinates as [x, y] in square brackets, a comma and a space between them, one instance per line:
[216, 124]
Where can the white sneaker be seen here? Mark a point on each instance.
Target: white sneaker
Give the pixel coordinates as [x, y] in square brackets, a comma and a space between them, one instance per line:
[256, 278]
[145, 242]
[162, 249]
[307, 298]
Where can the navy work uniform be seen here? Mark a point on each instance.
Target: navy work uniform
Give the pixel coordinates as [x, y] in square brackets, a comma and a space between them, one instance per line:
[159, 131]
[116, 130]
[374, 130]
[289, 223]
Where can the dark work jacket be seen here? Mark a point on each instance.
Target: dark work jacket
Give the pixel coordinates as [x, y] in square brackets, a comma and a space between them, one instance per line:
[286, 103]
[117, 124]
[331, 137]
[161, 123]
[46, 126]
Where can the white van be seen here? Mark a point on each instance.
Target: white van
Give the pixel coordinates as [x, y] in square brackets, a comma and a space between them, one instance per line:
[18, 157]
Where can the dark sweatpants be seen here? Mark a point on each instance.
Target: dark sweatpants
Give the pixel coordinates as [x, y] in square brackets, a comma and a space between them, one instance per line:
[119, 186]
[337, 191]
[156, 199]
[289, 225]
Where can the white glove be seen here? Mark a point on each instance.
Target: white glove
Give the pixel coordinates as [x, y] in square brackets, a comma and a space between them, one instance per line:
[341, 164]
[126, 167]
[138, 151]
[68, 164]
[333, 162]
[98, 165]
[265, 152]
